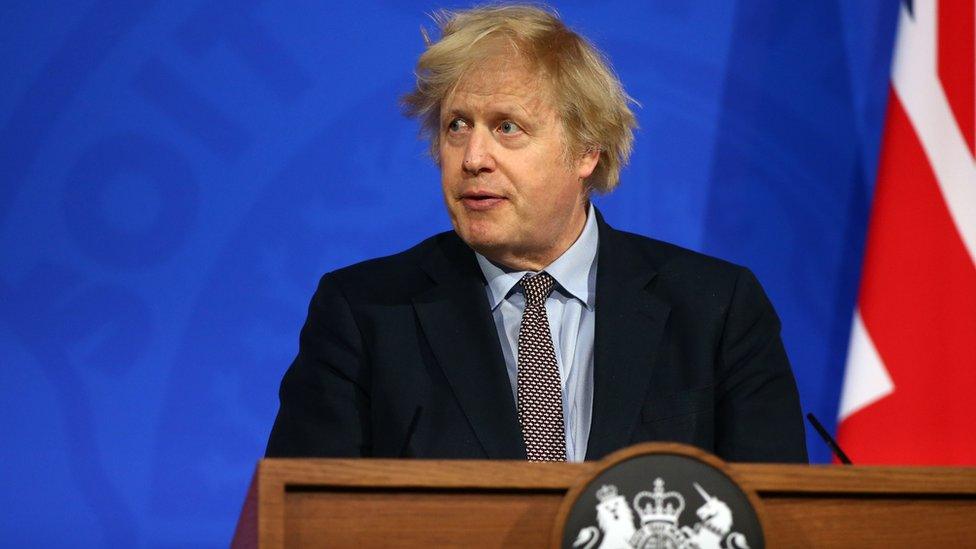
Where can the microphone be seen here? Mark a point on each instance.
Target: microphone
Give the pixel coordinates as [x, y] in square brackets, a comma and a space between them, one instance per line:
[831, 443]
[410, 429]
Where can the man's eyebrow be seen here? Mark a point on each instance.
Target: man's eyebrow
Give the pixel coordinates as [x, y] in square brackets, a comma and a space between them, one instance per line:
[495, 113]
[454, 113]
[510, 111]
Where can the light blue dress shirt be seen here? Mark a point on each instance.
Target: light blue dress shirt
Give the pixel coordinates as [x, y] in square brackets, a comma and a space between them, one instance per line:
[571, 310]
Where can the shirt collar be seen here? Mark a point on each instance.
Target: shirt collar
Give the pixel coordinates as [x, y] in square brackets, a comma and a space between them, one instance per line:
[574, 271]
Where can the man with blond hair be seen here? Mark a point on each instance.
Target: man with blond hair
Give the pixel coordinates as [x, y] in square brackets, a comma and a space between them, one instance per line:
[534, 330]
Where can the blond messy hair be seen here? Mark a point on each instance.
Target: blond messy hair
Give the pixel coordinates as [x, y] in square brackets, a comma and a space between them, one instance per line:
[588, 96]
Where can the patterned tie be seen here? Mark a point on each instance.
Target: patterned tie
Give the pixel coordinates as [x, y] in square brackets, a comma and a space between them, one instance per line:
[540, 395]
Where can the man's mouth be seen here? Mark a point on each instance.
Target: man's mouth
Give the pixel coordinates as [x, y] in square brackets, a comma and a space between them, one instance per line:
[481, 200]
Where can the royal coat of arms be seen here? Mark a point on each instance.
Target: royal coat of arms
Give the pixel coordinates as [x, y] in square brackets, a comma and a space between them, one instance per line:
[656, 524]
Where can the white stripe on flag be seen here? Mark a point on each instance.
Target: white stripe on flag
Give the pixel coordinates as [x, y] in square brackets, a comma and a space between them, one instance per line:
[915, 79]
[866, 379]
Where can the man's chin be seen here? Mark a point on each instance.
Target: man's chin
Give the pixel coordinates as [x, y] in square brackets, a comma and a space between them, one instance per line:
[499, 249]
[484, 245]
[486, 240]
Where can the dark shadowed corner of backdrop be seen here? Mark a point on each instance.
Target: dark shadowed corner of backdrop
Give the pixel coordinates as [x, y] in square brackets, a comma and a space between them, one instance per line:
[176, 176]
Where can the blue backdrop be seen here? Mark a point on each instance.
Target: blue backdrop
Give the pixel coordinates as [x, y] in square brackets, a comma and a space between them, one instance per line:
[176, 176]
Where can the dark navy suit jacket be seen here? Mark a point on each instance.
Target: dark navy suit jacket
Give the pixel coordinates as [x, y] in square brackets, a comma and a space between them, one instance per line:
[399, 356]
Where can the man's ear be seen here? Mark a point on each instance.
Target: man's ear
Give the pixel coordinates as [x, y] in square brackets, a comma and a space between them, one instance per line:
[587, 162]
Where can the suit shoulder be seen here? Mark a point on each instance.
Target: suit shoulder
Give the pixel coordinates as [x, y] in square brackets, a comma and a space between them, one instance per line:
[671, 260]
[698, 284]
[699, 280]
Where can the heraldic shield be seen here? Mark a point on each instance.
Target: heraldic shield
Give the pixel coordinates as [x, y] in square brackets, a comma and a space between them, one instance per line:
[659, 496]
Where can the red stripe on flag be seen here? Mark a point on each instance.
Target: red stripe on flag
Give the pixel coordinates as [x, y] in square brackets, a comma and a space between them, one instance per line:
[957, 63]
[918, 302]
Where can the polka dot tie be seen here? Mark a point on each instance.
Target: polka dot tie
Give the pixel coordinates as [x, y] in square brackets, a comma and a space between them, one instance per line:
[540, 395]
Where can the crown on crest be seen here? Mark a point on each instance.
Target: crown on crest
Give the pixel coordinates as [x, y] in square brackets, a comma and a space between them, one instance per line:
[658, 505]
[606, 492]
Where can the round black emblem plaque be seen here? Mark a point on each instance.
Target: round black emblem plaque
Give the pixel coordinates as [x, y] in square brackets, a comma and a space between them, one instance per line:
[659, 496]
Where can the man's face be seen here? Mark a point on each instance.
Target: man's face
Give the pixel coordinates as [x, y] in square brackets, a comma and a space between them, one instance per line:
[512, 191]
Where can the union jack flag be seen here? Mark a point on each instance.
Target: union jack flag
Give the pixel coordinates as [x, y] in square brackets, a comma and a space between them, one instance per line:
[910, 385]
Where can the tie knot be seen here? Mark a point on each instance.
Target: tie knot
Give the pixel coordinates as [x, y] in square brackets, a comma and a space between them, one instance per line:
[537, 287]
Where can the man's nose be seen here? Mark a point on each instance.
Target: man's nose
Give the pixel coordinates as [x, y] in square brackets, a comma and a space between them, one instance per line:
[478, 153]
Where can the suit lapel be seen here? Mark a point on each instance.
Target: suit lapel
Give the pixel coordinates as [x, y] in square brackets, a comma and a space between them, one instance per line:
[629, 324]
[457, 322]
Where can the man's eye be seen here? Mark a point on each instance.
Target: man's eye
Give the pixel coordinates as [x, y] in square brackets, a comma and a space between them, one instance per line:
[457, 125]
[509, 127]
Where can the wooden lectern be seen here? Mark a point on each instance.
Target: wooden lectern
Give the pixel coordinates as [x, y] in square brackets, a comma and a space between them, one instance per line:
[414, 503]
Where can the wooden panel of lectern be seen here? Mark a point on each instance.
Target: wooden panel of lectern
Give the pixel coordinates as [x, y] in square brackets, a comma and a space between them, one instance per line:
[416, 503]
